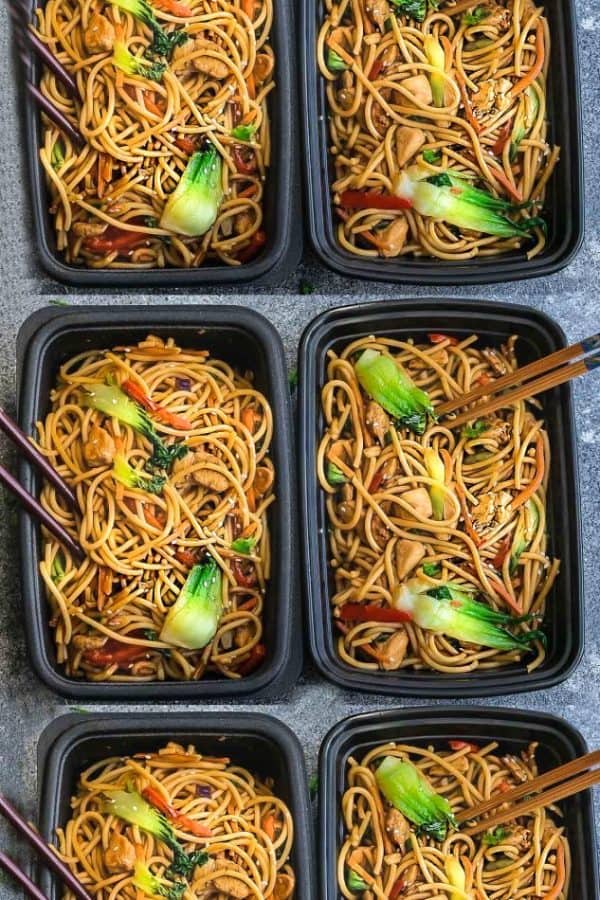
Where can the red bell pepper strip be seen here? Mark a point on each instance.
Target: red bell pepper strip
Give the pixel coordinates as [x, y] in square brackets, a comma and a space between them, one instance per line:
[136, 393]
[186, 558]
[376, 481]
[463, 745]
[257, 241]
[372, 200]
[359, 612]
[185, 144]
[257, 655]
[437, 338]
[114, 239]
[503, 137]
[397, 888]
[376, 69]
[115, 652]
[503, 550]
[184, 822]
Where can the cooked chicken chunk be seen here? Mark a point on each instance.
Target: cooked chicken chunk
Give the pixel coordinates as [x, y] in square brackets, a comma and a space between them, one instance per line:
[408, 141]
[397, 827]
[420, 501]
[99, 449]
[208, 478]
[392, 239]
[408, 555]
[377, 421]
[378, 11]
[119, 856]
[99, 36]
[392, 652]
[420, 88]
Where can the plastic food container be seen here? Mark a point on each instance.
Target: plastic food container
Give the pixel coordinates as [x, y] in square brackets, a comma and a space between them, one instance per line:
[247, 341]
[564, 198]
[494, 322]
[282, 217]
[513, 729]
[260, 743]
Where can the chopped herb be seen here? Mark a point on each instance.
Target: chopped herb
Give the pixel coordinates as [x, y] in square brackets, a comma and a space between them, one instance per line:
[335, 474]
[431, 569]
[495, 837]
[432, 156]
[243, 545]
[475, 430]
[149, 634]
[244, 132]
[150, 222]
[476, 16]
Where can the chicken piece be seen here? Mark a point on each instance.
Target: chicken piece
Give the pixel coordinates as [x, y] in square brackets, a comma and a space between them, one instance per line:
[378, 11]
[495, 361]
[242, 223]
[419, 87]
[206, 64]
[392, 239]
[119, 856]
[284, 886]
[232, 887]
[420, 501]
[88, 641]
[397, 827]
[88, 229]
[408, 141]
[208, 478]
[408, 555]
[514, 764]
[377, 421]
[359, 857]
[263, 67]
[493, 94]
[99, 36]
[392, 652]
[99, 449]
[499, 431]
[242, 635]
[263, 480]
[461, 764]
[492, 507]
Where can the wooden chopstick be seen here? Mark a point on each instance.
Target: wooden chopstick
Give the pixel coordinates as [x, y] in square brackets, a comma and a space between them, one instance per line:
[530, 389]
[51, 860]
[10, 866]
[28, 449]
[35, 508]
[572, 777]
[538, 367]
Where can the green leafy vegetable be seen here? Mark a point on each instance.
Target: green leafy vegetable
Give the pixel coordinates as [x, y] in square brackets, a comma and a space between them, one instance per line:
[335, 475]
[57, 570]
[474, 429]
[451, 610]
[193, 619]
[432, 156]
[436, 58]
[244, 132]
[136, 65]
[244, 545]
[355, 883]
[57, 157]
[495, 837]
[386, 382]
[414, 9]
[153, 886]
[149, 634]
[525, 118]
[132, 478]
[408, 790]
[163, 42]
[335, 63]
[432, 569]
[112, 401]
[475, 16]
[524, 533]
[194, 204]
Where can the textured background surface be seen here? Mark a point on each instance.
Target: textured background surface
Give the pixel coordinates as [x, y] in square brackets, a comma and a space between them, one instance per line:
[572, 297]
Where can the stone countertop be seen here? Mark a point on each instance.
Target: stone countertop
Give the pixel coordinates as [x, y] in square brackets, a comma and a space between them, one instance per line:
[571, 297]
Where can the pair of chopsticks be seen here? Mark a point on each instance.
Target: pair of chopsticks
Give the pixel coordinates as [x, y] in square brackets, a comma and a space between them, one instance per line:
[569, 779]
[547, 372]
[32, 504]
[49, 857]
[27, 40]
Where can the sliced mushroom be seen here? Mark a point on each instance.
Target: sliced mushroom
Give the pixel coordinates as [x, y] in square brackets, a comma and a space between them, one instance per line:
[119, 856]
[408, 142]
[263, 67]
[242, 635]
[88, 229]
[242, 223]
[99, 36]
[420, 501]
[284, 886]
[397, 827]
[377, 421]
[392, 652]
[208, 478]
[420, 88]
[208, 65]
[263, 480]
[408, 555]
[232, 887]
[99, 449]
[391, 240]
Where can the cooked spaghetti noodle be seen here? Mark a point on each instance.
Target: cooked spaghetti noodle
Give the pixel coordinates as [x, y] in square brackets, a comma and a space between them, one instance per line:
[140, 130]
[526, 858]
[108, 611]
[488, 537]
[426, 89]
[214, 805]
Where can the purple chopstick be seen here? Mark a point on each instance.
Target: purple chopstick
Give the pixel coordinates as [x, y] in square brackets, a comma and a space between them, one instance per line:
[49, 60]
[20, 440]
[36, 509]
[8, 811]
[31, 889]
[55, 115]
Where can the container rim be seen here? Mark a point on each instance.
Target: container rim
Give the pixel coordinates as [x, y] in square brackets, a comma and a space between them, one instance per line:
[283, 668]
[508, 267]
[429, 685]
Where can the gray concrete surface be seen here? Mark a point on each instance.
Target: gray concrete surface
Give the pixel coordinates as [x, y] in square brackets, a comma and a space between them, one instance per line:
[314, 706]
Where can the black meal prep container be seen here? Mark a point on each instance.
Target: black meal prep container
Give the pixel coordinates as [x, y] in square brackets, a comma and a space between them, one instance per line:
[282, 198]
[246, 340]
[514, 730]
[258, 742]
[494, 322]
[564, 206]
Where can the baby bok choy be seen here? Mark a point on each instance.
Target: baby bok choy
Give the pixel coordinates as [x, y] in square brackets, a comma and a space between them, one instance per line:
[163, 42]
[451, 610]
[124, 60]
[193, 619]
[153, 886]
[408, 790]
[391, 386]
[455, 200]
[112, 401]
[193, 206]
[131, 478]
[132, 808]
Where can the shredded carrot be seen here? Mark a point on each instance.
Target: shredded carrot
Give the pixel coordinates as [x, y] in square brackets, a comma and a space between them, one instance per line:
[560, 873]
[467, 516]
[249, 417]
[248, 8]
[174, 8]
[251, 85]
[151, 519]
[251, 498]
[535, 482]
[268, 826]
[501, 589]
[467, 104]
[151, 106]
[248, 605]
[249, 530]
[505, 181]
[536, 68]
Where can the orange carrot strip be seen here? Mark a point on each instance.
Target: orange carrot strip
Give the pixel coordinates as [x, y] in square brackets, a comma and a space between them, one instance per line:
[467, 104]
[535, 482]
[506, 183]
[268, 826]
[535, 70]
[560, 873]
